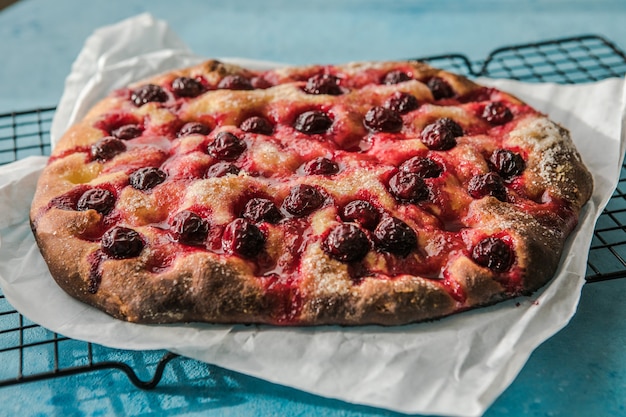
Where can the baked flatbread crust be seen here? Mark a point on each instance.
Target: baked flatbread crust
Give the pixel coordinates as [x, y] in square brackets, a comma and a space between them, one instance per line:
[289, 275]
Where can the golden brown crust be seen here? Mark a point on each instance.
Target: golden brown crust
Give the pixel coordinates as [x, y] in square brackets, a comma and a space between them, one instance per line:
[209, 286]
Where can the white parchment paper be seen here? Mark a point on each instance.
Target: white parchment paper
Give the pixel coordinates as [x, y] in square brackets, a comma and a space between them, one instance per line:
[455, 366]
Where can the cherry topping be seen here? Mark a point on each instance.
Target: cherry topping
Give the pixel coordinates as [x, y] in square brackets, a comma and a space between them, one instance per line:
[127, 132]
[261, 210]
[497, 113]
[122, 242]
[243, 238]
[106, 148]
[323, 84]
[362, 212]
[95, 271]
[382, 119]
[222, 169]
[401, 102]
[96, 199]
[507, 163]
[487, 184]
[320, 166]
[452, 126]
[408, 187]
[147, 178]
[194, 128]
[189, 228]
[226, 146]
[440, 88]
[395, 236]
[187, 87]
[69, 200]
[422, 166]
[302, 200]
[235, 82]
[396, 77]
[148, 93]
[346, 243]
[441, 135]
[312, 122]
[494, 254]
[260, 83]
[257, 124]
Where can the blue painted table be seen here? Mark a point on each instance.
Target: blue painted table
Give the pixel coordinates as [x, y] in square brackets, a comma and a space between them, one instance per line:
[579, 371]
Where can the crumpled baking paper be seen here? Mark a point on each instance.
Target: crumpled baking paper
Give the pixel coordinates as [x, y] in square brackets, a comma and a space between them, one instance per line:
[454, 366]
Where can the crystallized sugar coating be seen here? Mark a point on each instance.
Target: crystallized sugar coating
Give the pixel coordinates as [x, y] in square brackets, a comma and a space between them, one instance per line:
[556, 156]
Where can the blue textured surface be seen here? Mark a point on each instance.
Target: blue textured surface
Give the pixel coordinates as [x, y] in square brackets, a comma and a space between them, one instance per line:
[579, 372]
[39, 34]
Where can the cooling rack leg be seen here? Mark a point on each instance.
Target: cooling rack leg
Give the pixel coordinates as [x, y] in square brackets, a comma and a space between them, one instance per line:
[132, 376]
[98, 366]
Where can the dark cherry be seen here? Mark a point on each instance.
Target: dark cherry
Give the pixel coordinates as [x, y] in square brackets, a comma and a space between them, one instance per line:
[401, 102]
[69, 200]
[302, 200]
[346, 243]
[382, 119]
[226, 146]
[147, 178]
[487, 184]
[395, 236]
[408, 187]
[261, 210]
[507, 163]
[323, 84]
[320, 166]
[222, 169]
[194, 128]
[313, 122]
[441, 135]
[497, 113]
[424, 167]
[494, 254]
[127, 132]
[97, 199]
[440, 88]
[189, 228]
[362, 212]
[257, 124]
[235, 82]
[452, 126]
[187, 87]
[148, 93]
[243, 238]
[395, 77]
[122, 242]
[107, 148]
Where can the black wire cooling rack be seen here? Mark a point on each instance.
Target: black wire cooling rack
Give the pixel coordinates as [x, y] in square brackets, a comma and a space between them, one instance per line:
[29, 352]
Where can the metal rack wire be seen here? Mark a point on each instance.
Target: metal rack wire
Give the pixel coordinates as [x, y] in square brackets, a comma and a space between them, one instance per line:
[29, 352]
